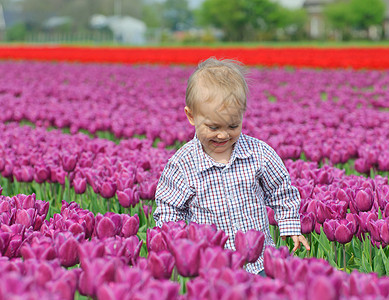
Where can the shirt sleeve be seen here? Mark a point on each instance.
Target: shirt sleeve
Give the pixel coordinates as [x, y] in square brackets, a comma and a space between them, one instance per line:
[173, 196]
[280, 195]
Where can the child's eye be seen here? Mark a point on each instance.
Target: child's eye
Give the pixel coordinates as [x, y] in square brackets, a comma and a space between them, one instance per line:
[234, 126]
[213, 127]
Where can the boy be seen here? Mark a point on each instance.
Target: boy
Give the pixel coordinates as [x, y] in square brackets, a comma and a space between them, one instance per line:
[222, 176]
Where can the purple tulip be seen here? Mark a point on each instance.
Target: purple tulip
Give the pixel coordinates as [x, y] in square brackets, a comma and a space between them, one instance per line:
[161, 264]
[79, 185]
[383, 161]
[308, 222]
[69, 162]
[187, 255]
[38, 248]
[208, 233]
[128, 197]
[108, 189]
[155, 240]
[379, 230]
[147, 210]
[130, 225]
[67, 250]
[91, 250]
[214, 258]
[133, 246]
[364, 199]
[344, 231]
[250, 244]
[95, 273]
[362, 165]
[270, 215]
[41, 173]
[105, 228]
[321, 288]
[382, 196]
[329, 227]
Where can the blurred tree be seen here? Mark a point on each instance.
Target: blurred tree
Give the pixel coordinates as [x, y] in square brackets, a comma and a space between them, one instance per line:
[367, 13]
[355, 14]
[241, 20]
[339, 18]
[177, 15]
[151, 14]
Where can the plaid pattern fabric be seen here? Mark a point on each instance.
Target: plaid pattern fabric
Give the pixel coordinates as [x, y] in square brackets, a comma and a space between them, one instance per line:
[234, 196]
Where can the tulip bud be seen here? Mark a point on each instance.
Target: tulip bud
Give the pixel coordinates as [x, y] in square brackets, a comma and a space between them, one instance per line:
[130, 226]
[161, 264]
[105, 228]
[69, 162]
[187, 256]
[308, 222]
[108, 189]
[79, 185]
[250, 244]
[270, 215]
[128, 197]
[364, 200]
[344, 231]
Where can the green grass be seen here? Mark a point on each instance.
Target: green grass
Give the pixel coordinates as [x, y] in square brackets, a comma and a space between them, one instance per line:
[269, 44]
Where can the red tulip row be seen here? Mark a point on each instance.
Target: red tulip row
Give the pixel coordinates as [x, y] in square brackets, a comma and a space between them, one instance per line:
[357, 58]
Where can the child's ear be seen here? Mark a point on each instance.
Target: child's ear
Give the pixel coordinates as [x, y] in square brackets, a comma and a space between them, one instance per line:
[189, 115]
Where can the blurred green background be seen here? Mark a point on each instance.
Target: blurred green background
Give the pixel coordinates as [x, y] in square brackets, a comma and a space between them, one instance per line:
[194, 22]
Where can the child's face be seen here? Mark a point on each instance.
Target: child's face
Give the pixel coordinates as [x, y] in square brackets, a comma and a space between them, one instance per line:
[217, 127]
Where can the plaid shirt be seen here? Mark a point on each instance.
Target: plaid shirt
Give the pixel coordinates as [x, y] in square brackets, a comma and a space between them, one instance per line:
[234, 196]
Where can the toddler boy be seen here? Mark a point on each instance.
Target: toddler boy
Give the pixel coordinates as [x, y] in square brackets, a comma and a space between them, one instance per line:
[222, 176]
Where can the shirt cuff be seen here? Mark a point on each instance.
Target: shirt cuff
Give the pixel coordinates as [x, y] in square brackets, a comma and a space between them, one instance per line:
[289, 227]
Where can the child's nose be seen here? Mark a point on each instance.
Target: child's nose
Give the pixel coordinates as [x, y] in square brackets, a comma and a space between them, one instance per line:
[222, 135]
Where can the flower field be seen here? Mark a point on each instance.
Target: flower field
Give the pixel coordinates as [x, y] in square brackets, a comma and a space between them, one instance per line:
[82, 146]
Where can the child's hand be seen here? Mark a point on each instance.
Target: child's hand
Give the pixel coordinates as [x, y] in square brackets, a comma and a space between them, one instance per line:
[297, 240]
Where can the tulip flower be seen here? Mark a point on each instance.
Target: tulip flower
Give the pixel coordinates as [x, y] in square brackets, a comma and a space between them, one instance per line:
[155, 240]
[214, 257]
[329, 227]
[321, 287]
[41, 173]
[208, 233]
[250, 244]
[90, 250]
[364, 199]
[95, 273]
[105, 228]
[344, 231]
[308, 222]
[130, 225]
[270, 215]
[69, 162]
[108, 189]
[362, 165]
[383, 161]
[128, 197]
[79, 185]
[67, 247]
[379, 230]
[187, 255]
[161, 264]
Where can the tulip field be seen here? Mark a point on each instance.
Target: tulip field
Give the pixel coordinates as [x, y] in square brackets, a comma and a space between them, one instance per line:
[84, 137]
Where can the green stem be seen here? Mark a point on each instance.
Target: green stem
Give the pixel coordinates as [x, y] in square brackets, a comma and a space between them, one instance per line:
[335, 252]
[344, 258]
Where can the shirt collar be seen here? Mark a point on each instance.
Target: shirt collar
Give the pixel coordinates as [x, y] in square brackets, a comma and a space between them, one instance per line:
[241, 150]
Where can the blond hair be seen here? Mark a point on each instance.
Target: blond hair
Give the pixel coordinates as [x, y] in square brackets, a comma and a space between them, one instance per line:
[217, 79]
